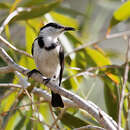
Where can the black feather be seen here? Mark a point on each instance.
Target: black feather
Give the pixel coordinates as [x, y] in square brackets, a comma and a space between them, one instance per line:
[32, 49]
[51, 47]
[61, 58]
[56, 98]
[55, 25]
[40, 42]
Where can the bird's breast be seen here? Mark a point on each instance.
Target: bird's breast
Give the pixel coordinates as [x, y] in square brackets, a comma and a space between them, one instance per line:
[47, 61]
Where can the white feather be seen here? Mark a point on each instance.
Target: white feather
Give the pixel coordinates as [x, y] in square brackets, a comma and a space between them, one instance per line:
[47, 61]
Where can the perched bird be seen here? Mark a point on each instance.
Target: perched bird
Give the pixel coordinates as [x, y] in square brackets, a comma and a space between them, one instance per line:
[48, 54]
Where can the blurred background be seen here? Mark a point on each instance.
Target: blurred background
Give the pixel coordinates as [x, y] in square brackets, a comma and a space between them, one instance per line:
[93, 20]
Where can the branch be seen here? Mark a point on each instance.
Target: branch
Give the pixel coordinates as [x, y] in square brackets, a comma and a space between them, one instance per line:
[58, 118]
[11, 16]
[10, 85]
[89, 127]
[105, 120]
[6, 69]
[6, 21]
[111, 36]
[89, 70]
[40, 93]
[82, 47]
[5, 42]
[125, 78]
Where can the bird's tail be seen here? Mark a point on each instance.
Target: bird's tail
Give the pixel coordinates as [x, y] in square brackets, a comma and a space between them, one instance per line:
[56, 100]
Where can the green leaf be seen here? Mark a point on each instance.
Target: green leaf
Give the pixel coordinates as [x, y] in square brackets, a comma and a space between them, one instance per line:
[72, 121]
[111, 98]
[112, 23]
[29, 3]
[32, 27]
[97, 57]
[69, 11]
[45, 112]
[29, 125]
[74, 39]
[7, 102]
[36, 11]
[123, 12]
[20, 124]
[64, 20]
[4, 5]
[12, 121]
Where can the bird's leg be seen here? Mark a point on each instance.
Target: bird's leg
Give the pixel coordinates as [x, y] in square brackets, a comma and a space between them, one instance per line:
[29, 74]
[47, 80]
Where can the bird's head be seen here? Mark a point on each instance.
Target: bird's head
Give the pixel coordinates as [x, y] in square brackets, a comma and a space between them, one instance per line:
[54, 30]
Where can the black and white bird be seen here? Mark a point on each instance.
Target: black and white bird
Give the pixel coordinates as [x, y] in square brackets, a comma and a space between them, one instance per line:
[48, 54]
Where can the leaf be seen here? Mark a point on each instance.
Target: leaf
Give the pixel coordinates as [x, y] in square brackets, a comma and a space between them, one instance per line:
[114, 77]
[121, 14]
[72, 121]
[69, 11]
[64, 20]
[111, 98]
[8, 101]
[4, 5]
[97, 57]
[74, 39]
[29, 125]
[20, 123]
[45, 112]
[29, 3]
[36, 11]
[113, 22]
[12, 121]
[88, 118]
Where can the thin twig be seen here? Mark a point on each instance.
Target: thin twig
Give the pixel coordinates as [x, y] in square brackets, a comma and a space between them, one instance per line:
[53, 116]
[6, 21]
[88, 71]
[23, 106]
[106, 121]
[83, 47]
[10, 85]
[111, 36]
[58, 118]
[11, 16]
[40, 93]
[5, 42]
[125, 77]
[89, 127]
[5, 69]
[7, 93]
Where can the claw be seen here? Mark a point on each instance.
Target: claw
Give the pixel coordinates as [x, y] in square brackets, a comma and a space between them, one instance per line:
[29, 74]
[46, 80]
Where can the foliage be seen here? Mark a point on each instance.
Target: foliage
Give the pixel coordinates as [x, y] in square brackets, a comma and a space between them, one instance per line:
[109, 79]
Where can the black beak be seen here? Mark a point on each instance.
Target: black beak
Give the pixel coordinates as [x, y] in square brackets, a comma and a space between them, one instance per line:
[69, 29]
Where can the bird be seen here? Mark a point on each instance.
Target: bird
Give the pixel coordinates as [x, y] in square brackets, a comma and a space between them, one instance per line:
[48, 55]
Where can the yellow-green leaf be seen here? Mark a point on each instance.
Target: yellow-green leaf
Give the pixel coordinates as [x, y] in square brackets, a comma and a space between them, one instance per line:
[8, 101]
[12, 121]
[4, 5]
[36, 11]
[97, 57]
[123, 12]
[64, 20]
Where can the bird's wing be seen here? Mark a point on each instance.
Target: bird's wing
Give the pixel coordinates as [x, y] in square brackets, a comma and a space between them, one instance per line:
[32, 48]
[61, 58]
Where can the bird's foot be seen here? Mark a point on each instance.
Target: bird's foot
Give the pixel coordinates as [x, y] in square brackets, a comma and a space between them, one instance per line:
[46, 81]
[29, 74]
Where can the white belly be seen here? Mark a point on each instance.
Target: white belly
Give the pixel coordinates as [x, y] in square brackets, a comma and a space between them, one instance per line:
[47, 62]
